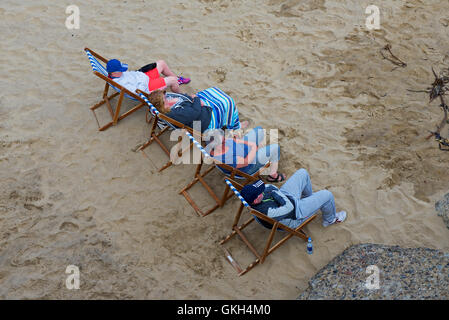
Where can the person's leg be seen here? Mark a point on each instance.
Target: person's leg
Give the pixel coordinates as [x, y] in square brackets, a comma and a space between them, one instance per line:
[322, 200]
[163, 68]
[298, 185]
[292, 223]
[172, 82]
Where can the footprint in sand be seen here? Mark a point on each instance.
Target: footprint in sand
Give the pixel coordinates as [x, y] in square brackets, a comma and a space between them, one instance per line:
[218, 75]
[68, 226]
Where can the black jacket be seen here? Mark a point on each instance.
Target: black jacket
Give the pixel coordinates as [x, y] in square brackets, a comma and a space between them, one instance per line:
[189, 111]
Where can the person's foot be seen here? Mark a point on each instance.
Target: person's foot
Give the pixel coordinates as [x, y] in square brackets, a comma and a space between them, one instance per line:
[277, 177]
[182, 80]
[340, 217]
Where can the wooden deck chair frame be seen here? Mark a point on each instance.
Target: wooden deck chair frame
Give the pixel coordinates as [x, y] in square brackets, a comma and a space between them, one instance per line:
[227, 194]
[115, 115]
[154, 135]
[276, 225]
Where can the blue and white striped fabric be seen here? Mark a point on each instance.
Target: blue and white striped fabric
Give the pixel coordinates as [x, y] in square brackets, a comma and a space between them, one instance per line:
[154, 111]
[198, 145]
[224, 110]
[97, 66]
[237, 193]
[150, 105]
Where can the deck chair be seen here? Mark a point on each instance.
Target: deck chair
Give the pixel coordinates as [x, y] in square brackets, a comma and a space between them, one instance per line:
[100, 71]
[169, 123]
[263, 220]
[223, 168]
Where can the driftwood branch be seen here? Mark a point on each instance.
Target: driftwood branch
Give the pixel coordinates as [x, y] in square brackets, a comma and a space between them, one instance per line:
[395, 60]
[438, 89]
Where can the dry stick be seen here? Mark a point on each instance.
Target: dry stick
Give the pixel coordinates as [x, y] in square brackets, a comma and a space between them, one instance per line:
[443, 122]
[399, 62]
[437, 90]
[426, 91]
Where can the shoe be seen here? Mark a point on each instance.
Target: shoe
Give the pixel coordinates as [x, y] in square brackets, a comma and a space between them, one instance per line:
[341, 216]
[182, 80]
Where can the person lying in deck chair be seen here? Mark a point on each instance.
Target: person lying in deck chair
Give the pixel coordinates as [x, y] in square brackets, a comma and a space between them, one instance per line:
[246, 153]
[294, 202]
[147, 78]
[214, 108]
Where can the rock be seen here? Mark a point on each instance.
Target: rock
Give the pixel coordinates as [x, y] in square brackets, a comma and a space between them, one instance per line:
[403, 273]
[442, 207]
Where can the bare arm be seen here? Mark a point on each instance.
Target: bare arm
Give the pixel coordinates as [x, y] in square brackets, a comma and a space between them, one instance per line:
[243, 162]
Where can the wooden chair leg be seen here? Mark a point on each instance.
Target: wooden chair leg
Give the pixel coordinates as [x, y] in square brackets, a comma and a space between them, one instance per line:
[180, 153]
[152, 134]
[234, 232]
[117, 109]
[237, 230]
[106, 98]
[127, 113]
[250, 266]
[270, 240]
[98, 123]
[198, 177]
[147, 118]
[114, 115]
[232, 261]
[192, 203]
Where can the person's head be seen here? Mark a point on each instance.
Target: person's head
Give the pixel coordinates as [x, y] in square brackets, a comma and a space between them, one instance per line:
[253, 192]
[157, 98]
[115, 68]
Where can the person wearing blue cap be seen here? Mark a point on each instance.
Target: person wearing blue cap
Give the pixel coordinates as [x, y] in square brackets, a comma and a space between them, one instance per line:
[294, 202]
[147, 78]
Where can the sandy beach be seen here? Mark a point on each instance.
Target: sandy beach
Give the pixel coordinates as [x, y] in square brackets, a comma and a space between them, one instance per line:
[71, 195]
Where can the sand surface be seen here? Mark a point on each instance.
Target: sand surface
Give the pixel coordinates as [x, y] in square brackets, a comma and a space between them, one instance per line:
[70, 194]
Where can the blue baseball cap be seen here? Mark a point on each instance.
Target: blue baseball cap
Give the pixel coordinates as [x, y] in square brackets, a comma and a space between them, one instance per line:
[250, 192]
[115, 65]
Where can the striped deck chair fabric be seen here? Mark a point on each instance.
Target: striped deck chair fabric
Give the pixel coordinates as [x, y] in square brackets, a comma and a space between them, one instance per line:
[97, 66]
[224, 110]
[237, 193]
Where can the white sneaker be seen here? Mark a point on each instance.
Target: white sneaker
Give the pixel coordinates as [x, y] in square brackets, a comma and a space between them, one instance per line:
[340, 217]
